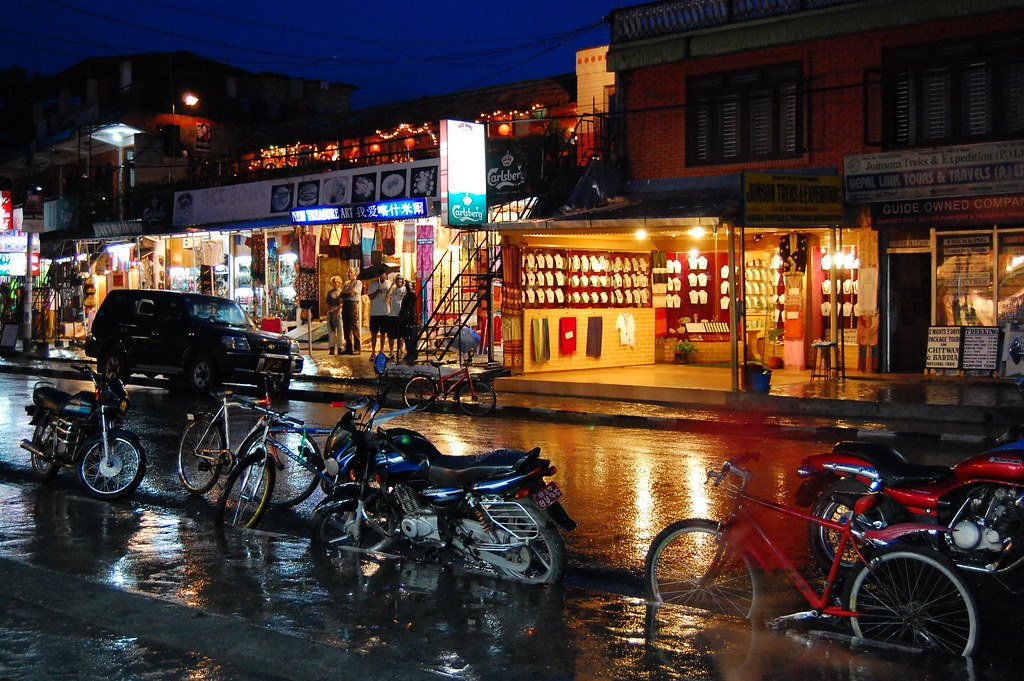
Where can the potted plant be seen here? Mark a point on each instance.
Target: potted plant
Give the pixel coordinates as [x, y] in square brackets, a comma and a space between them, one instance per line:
[771, 341]
[685, 348]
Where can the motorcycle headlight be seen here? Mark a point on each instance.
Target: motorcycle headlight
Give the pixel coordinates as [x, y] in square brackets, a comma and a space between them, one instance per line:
[236, 343]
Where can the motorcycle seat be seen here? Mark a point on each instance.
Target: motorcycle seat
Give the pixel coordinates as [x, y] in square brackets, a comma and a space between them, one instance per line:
[892, 467]
[874, 453]
[459, 471]
[911, 473]
[50, 397]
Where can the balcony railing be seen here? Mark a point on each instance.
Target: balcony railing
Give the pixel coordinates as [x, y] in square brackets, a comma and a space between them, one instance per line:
[683, 16]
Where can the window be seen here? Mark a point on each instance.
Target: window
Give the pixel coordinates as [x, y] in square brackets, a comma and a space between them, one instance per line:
[744, 115]
[956, 93]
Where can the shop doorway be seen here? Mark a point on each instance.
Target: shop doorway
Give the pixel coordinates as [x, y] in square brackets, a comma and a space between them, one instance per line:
[909, 310]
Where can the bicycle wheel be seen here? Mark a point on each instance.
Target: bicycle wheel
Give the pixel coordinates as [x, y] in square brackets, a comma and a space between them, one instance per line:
[476, 397]
[247, 492]
[294, 480]
[201, 453]
[420, 392]
[691, 564]
[913, 597]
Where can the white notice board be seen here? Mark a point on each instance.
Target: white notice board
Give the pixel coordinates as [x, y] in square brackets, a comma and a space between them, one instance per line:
[943, 347]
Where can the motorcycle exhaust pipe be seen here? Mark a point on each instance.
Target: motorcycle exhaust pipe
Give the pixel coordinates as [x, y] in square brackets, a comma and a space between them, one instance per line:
[32, 449]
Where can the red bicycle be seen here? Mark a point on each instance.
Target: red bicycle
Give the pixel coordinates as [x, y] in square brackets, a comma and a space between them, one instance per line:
[473, 393]
[908, 596]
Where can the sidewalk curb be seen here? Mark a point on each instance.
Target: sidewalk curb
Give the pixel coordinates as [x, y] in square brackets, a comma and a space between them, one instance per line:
[735, 403]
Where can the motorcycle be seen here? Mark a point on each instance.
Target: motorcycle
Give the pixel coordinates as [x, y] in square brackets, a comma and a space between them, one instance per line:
[395, 489]
[82, 431]
[981, 499]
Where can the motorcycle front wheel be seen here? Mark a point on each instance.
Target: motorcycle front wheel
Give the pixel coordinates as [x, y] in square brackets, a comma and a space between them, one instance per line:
[44, 468]
[116, 475]
[334, 525]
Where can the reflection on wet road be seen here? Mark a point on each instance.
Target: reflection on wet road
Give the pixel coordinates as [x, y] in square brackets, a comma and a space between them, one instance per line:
[420, 619]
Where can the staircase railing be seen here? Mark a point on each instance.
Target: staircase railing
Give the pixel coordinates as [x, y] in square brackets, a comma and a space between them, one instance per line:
[460, 286]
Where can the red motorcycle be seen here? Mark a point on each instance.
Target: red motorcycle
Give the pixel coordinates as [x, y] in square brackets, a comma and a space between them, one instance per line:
[981, 500]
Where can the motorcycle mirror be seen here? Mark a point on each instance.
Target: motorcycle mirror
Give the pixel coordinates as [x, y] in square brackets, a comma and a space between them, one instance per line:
[380, 363]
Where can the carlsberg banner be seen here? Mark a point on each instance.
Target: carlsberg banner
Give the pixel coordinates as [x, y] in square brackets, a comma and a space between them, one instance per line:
[463, 173]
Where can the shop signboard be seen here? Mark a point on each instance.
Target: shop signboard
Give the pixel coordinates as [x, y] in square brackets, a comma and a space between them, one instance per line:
[790, 200]
[60, 214]
[950, 212]
[928, 174]
[980, 348]
[943, 349]
[276, 198]
[512, 170]
[6, 211]
[402, 209]
[463, 173]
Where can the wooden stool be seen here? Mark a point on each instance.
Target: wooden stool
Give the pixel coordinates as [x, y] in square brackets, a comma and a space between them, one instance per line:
[825, 361]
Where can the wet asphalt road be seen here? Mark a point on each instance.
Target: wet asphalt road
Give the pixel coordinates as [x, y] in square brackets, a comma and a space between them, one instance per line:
[621, 485]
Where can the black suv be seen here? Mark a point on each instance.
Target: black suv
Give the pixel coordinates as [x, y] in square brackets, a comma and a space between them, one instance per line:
[203, 339]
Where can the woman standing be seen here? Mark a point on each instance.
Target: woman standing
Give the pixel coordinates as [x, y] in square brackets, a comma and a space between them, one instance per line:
[334, 297]
[351, 295]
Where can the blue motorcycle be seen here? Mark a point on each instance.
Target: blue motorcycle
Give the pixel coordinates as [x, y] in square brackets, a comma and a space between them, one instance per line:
[395, 490]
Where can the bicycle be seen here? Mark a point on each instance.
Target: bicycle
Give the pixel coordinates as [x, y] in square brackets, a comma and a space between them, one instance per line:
[252, 482]
[473, 394]
[910, 596]
[205, 452]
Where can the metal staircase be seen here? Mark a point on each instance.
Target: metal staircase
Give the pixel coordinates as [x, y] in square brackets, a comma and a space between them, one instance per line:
[461, 283]
[459, 289]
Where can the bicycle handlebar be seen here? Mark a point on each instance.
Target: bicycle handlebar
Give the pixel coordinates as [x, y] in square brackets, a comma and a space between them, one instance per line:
[259, 406]
[732, 466]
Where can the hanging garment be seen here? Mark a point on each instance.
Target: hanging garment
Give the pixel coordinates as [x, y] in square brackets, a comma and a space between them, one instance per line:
[387, 238]
[409, 238]
[369, 235]
[626, 326]
[258, 252]
[541, 341]
[595, 336]
[567, 335]
[307, 251]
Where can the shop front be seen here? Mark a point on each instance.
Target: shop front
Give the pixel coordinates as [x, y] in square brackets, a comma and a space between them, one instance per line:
[951, 225]
[740, 280]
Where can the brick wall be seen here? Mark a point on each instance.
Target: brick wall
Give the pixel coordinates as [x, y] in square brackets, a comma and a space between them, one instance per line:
[654, 96]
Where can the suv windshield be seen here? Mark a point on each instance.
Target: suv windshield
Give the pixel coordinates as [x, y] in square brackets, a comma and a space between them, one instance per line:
[217, 311]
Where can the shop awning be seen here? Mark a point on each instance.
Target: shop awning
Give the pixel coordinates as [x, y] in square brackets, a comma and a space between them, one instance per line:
[649, 210]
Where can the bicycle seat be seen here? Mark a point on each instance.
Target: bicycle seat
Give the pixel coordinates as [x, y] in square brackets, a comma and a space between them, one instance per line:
[463, 470]
[436, 364]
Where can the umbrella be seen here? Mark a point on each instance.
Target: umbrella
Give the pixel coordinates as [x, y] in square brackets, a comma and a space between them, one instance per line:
[374, 271]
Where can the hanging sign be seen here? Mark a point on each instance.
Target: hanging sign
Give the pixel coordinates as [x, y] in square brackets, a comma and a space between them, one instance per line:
[463, 173]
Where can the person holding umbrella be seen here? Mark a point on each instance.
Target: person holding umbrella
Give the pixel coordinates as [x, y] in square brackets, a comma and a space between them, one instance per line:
[380, 304]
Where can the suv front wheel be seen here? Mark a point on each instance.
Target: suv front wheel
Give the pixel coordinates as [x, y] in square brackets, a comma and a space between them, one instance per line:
[201, 374]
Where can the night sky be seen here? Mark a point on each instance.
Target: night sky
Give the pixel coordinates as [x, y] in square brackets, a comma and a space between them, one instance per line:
[392, 50]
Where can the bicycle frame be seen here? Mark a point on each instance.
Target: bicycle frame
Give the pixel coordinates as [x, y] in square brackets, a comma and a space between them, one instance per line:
[765, 553]
[448, 384]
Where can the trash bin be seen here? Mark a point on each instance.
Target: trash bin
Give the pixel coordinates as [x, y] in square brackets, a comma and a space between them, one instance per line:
[756, 377]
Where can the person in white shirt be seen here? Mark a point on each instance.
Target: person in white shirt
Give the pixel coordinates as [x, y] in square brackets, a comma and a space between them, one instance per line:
[379, 294]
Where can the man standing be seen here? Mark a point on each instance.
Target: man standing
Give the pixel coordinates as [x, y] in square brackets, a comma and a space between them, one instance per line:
[380, 306]
[351, 294]
[397, 294]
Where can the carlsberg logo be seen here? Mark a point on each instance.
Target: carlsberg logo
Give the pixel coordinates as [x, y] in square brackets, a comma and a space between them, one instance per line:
[500, 178]
[467, 213]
